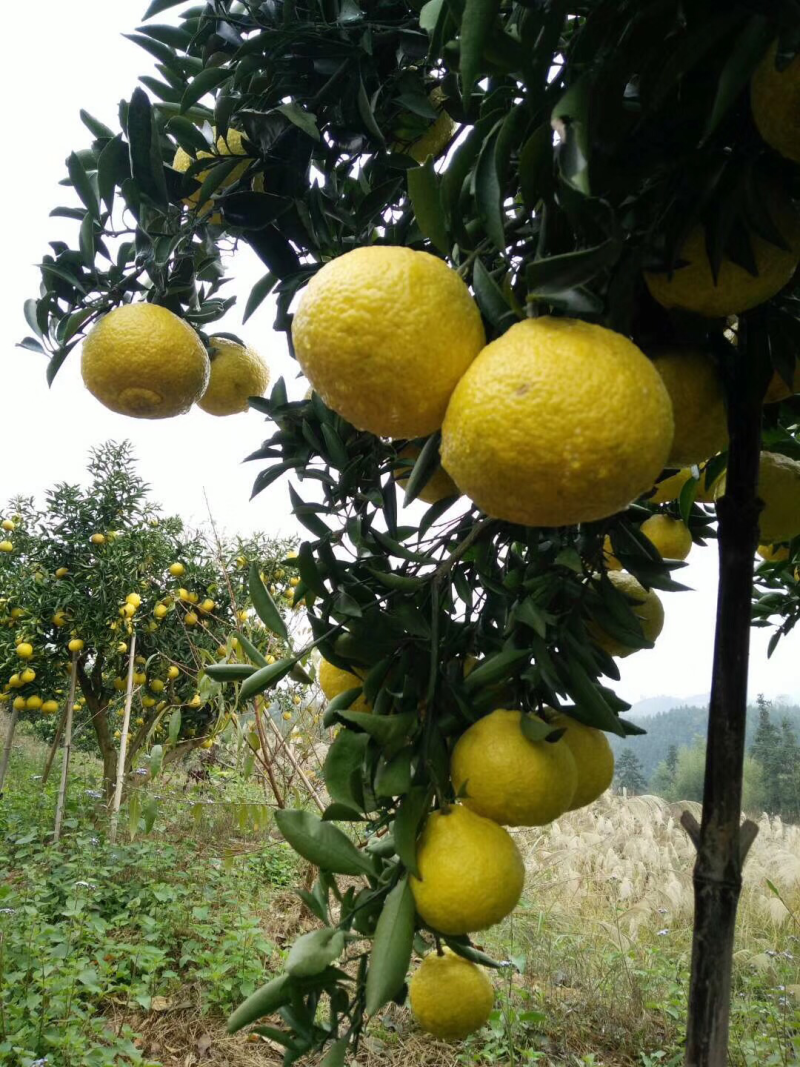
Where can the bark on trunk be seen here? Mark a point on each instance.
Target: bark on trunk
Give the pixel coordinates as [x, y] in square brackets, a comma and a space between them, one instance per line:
[12, 725]
[108, 751]
[721, 844]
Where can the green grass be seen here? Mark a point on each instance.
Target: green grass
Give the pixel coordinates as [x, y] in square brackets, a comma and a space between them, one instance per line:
[96, 941]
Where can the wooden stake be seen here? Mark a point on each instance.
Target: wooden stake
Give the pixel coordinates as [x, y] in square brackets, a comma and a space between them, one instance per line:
[7, 747]
[123, 747]
[51, 755]
[721, 844]
[62, 788]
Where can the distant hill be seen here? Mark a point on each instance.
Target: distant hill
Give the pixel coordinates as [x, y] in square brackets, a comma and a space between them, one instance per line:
[680, 725]
[653, 705]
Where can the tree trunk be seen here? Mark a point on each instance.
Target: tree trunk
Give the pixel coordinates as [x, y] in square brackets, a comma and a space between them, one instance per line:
[4, 762]
[108, 751]
[123, 748]
[62, 788]
[51, 755]
[721, 844]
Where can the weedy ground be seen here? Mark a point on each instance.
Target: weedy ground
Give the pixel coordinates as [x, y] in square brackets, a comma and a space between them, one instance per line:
[135, 953]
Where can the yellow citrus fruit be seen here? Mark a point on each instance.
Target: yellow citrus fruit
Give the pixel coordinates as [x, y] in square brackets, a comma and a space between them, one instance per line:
[450, 996]
[62, 572]
[160, 610]
[207, 743]
[438, 487]
[195, 701]
[333, 681]
[707, 494]
[670, 536]
[135, 599]
[19, 704]
[236, 374]
[183, 594]
[50, 706]
[33, 703]
[534, 434]
[692, 287]
[471, 872]
[119, 684]
[122, 648]
[773, 553]
[384, 334]
[15, 680]
[6, 546]
[7, 524]
[207, 605]
[98, 539]
[193, 598]
[128, 610]
[499, 774]
[173, 672]
[60, 618]
[775, 102]
[17, 613]
[139, 677]
[176, 569]
[147, 702]
[670, 487]
[230, 145]
[593, 758]
[24, 650]
[157, 685]
[779, 488]
[287, 715]
[611, 561]
[698, 405]
[28, 675]
[647, 608]
[191, 618]
[143, 361]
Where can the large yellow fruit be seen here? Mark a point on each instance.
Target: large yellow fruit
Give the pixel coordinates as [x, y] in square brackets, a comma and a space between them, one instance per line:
[557, 422]
[773, 553]
[50, 706]
[438, 487]
[19, 704]
[779, 488]
[775, 101]
[24, 650]
[236, 374]
[692, 287]
[333, 681]
[28, 676]
[230, 145]
[670, 536]
[176, 569]
[593, 759]
[143, 361]
[647, 608]
[500, 774]
[6, 546]
[471, 872]
[670, 487]
[33, 703]
[450, 996]
[698, 405]
[384, 334]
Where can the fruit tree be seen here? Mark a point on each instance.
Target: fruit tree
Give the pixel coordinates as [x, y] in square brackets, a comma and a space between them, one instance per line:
[536, 261]
[98, 563]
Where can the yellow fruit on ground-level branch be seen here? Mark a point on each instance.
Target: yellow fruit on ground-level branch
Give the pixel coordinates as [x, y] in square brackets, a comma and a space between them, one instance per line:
[773, 553]
[499, 773]
[593, 758]
[438, 487]
[536, 433]
[236, 374]
[190, 618]
[119, 684]
[383, 334]
[143, 361]
[34, 702]
[692, 287]
[671, 537]
[28, 676]
[450, 996]
[471, 872]
[50, 706]
[775, 102]
[333, 681]
[698, 405]
[646, 606]
[19, 704]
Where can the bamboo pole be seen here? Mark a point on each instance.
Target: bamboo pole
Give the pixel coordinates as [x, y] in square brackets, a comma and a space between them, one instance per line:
[62, 788]
[51, 755]
[7, 747]
[123, 747]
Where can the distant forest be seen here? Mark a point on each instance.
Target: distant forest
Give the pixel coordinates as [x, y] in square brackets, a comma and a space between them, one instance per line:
[669, 759]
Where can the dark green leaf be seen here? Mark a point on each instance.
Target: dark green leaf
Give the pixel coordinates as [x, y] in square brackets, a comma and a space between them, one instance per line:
[490, 297]
[155, 8]
[322, 843]
[496, 668]
[488, 194]
[205, 82]
[393, 776]
[750, 46]
[535, 729]
[264, 1001]
[556, 273]
[265, 678]
[386, 729]
[535, 163]
[229, 672]
[99, 129]
[462, 947]
[476, 23]
[174, 725]
[342, 768]
[391, 950]
[423, 188]
[113, 168]
[29, 309]
[336, 1056]
[304, 120]
[253, 653]
[406, 826]
[187, 135]
[266, 608]
[147, 167]
[83, 186]
[258, 294]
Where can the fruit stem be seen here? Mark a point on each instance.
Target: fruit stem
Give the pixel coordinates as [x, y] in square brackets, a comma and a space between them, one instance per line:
[721, 844]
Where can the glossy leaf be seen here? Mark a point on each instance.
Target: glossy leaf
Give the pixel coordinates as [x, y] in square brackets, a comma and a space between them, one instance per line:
[265, 678]
[265, 1001]
[82, 184]
[314, 951]
[391, 950]
[322, 844]
[266, 608]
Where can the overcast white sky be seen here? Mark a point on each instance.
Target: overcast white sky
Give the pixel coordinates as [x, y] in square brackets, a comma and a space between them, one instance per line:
[82, 60]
